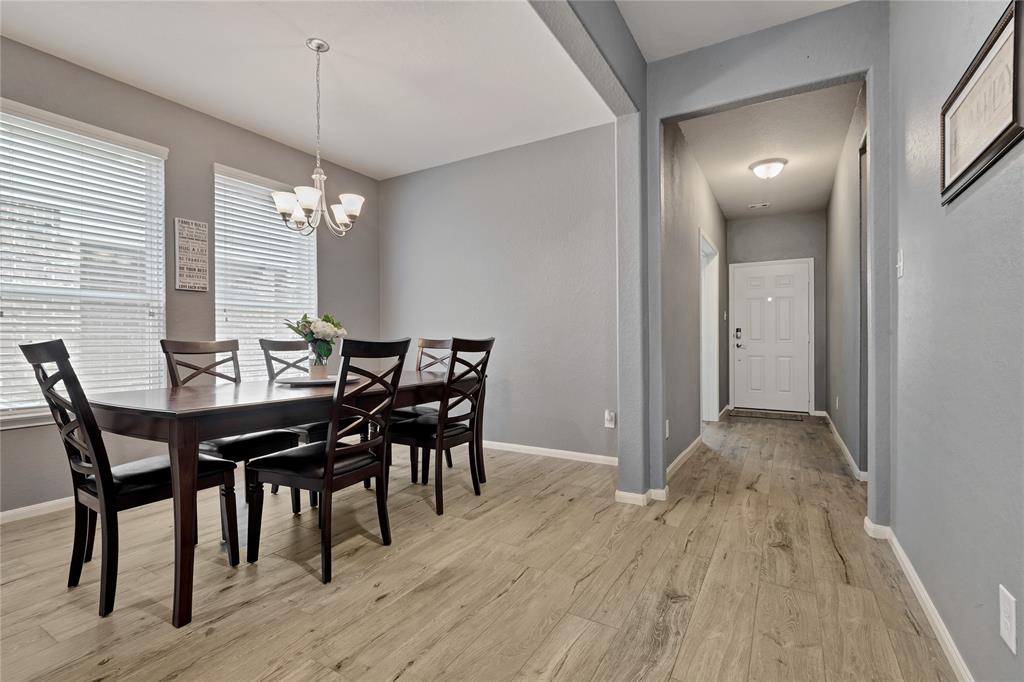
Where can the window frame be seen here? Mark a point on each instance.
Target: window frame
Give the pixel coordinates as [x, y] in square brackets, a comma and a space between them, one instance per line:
[34, 416]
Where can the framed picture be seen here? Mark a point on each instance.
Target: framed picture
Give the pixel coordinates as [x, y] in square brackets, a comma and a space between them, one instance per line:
[191, 255]
[982, 117]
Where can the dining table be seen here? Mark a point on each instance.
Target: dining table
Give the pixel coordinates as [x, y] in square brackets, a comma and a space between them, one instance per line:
[184, 416]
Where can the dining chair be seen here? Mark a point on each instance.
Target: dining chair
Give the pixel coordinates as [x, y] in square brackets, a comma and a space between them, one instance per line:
[429, 353]
[103, 490]
[276, 366]
[235, 448]
[331, 465]
[443, 430]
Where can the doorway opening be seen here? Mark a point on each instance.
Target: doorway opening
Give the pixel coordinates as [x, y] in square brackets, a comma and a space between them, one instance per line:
[709, 305]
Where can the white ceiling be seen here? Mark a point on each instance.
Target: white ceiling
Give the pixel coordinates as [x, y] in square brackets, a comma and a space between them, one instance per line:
[663, 29]
[406, 85]
[807, 129]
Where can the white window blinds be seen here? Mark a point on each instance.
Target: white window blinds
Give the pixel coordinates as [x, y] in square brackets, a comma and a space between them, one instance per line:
[265, 273]
[81, 258]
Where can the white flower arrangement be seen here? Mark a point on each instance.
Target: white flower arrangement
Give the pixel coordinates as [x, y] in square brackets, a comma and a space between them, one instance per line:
[320, 333]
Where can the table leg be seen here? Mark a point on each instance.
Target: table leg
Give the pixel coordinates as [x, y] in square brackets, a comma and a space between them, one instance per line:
[183, 445]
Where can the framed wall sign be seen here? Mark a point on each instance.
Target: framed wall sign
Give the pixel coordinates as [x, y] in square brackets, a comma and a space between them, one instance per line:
[982, 117]
[191, 255]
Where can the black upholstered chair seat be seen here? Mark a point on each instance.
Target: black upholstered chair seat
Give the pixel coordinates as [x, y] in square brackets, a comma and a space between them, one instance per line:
[425, 427]
[403, 413]
[155, 472]
[249, 445]
[311, 433]
[308, 461]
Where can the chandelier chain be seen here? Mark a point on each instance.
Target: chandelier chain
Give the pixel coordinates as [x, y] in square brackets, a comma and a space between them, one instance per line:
[317, 109]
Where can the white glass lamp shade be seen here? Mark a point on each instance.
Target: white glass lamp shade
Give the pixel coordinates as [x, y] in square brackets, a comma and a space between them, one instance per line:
[309, 198]
[285, 202]
[339, 214]
[298, 217]
[352, 205]
[769, 168]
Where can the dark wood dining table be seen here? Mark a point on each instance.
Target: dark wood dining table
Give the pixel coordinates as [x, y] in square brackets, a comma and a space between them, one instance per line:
[183, 417]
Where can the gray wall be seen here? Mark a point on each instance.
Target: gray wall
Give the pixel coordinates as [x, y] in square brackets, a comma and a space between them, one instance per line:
[32, 466]
[847, 43]
[791, 235]
[959, 473]
[689, 207]
[844, 295]
[519, 245]
[612, 36]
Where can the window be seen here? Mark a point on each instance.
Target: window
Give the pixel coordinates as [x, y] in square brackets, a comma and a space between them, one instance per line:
[265, 273]
[81, 254]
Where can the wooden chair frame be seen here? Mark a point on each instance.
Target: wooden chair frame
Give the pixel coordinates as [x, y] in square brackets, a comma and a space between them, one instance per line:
[464, 387]
[347, 419]
[87, 456]
[172, 349]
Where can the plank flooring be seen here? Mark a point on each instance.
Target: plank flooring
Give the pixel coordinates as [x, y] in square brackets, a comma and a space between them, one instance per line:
[756, 567]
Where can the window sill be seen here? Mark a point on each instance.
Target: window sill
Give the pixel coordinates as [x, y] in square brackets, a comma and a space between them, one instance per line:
[26, 419]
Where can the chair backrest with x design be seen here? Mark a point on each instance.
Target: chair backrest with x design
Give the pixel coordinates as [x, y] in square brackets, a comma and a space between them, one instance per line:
[349, 415]
[83, 442]
[174, 349]
[433, 353]
[270, 346]
[464, 386]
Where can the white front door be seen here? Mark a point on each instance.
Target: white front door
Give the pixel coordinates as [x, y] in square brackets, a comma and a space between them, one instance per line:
[770, 344]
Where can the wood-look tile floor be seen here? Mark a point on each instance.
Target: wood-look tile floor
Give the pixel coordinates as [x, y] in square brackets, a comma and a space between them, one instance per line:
[756, 567]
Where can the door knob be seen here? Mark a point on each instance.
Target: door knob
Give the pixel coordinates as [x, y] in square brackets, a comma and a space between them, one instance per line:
[740, 345]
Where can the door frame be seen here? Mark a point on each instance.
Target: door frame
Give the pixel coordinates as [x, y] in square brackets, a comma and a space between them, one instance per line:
[733, 269]
[709, 350]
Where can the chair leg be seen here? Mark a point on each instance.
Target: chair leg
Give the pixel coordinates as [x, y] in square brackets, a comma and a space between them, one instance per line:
[274, 488]
[473, 465]
[195, 529]
[79, 544]
[108, 571]
[254, 491]
[382, 506]
[296, 501]
[313, 501]
[325, 537]
[90, 539]
[438, 488]
[425, 476]
[448, 458]
[366, 484]
[480, 456]
[229, 517]
[414, 463]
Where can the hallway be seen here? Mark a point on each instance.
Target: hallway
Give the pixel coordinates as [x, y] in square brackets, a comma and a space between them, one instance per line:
[756, 567]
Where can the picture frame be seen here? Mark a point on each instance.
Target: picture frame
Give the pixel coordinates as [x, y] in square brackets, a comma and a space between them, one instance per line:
[191, 255]
[983, 118]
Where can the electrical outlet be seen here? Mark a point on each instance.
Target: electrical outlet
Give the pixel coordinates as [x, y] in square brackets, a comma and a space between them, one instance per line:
[725, 315]
[899, 263]
[666, 429]
[609, 419]
[1008, 618]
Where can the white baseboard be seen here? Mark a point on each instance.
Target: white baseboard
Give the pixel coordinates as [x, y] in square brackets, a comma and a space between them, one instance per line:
[639, 499]
[850, 462]
[818, 413]
[606, 460]
[659, 494]
[956, 661]
[681, 458]
[724, 411]
[36, 510]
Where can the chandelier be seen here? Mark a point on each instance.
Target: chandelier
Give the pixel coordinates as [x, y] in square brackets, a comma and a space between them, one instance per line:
[304, 209]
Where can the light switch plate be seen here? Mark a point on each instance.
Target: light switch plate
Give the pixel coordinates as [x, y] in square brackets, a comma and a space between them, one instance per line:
[609, 419]
[1008, 618]
[666, 429]
[899, 263]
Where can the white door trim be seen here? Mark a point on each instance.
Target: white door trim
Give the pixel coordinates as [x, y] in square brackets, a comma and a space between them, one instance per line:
[709, 306]
[733, 268]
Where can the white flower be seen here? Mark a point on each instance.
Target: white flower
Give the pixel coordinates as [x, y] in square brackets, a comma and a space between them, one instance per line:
[326, 331]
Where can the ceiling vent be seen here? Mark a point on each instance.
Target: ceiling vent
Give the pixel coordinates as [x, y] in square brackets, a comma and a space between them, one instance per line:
[763, 204]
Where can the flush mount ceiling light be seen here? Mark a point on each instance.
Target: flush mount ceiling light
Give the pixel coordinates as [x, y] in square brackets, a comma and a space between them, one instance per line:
[768, 168]
[305, 208]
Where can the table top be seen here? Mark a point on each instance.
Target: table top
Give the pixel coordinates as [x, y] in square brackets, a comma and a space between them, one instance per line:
[197, 400]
